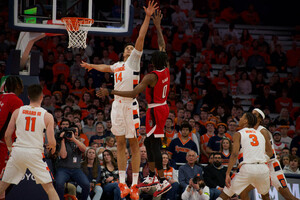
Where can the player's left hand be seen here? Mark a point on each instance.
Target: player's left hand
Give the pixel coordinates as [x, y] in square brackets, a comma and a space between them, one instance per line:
[157, 16]
[228, 181]
[151, 8]
[102, 92]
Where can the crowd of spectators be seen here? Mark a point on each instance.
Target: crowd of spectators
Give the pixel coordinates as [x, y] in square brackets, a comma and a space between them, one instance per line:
[203, 111]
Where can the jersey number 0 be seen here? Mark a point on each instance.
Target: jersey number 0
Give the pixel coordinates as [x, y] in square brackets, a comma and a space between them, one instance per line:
[28, 120]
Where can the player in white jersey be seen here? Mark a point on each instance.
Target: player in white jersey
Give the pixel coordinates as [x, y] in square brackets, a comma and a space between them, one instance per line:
[249, 146]
[27, 152]
[276, 174]
[125, 111]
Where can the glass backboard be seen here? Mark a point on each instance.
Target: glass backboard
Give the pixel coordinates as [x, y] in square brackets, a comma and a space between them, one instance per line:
[111, 17]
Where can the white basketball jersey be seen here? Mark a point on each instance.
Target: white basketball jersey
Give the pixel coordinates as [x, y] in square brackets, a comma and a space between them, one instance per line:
[30, 125]
[252, 146]
[259, 128]
[127, 74]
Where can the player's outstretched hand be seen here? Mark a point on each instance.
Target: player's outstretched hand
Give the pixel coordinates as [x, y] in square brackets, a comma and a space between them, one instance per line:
[157, 16]
[102, 92]
[151, 8]
[228, 181]
[86, 66]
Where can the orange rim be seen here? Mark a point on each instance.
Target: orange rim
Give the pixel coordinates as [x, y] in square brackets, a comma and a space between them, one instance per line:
[73, 23]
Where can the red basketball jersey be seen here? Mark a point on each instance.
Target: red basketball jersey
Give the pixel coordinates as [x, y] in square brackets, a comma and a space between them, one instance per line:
[159, 93]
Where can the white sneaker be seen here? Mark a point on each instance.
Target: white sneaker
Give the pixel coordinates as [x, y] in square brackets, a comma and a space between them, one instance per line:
[148, 182]
[162, 188]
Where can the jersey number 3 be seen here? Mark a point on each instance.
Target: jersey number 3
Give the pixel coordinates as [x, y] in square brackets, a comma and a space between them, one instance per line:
[28, 120]
[254, 141]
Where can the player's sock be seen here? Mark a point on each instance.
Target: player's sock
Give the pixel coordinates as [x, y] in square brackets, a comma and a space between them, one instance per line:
[151, 173]
[135, 177]
[122, 175]
[161, 180]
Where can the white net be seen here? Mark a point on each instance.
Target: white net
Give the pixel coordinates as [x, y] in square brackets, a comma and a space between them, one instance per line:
[77, 30]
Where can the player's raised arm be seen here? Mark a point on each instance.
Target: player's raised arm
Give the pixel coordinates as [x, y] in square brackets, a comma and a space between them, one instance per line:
[10, 129]
[148, 80]
[49, 122]
[233, 157]
[157, 16]
[266, 135]
[139, 45]
[100, 67]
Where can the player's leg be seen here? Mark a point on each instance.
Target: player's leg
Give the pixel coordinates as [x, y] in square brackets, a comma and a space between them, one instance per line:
[260, 179]
[51, 192]
[245, 194]
[135, 163]
[278, 180]
[122, 160]
[265, 196]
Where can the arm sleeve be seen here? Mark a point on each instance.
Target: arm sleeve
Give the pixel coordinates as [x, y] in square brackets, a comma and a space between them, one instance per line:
[134, 60]
[186, 195]
[181, 177]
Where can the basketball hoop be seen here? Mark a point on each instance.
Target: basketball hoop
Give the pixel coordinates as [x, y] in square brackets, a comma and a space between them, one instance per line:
[77, 30]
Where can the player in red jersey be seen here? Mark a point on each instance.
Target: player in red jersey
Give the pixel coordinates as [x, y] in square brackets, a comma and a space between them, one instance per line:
[9, 102]
[157, 85]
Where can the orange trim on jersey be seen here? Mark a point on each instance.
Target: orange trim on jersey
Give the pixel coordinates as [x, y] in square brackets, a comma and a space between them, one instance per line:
[120, 69]
[137, 125]
[43, 155]
[47, 168]
[135, 112]
[232, 176]
[240, 156]
[185, 141]
[275, 164]
[135, 82]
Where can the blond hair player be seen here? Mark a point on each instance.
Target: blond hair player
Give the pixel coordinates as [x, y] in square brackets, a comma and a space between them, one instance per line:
[27, 152]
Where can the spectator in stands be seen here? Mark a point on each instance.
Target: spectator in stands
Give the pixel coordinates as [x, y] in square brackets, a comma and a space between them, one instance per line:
[88, 127]
[292, 56]
[226, 147]
[244, 84]
[214, 176]
[284, 102]
[250, 16]
[189, 170]
[284, 137]
[171, 175]
[284, 118]
[278, 145]
[278, 58]
[68, 164]
[237, 61]
[258, 84]
[85, 100]
[99, 136]
[186, 76]
[245, 37]
[110, 142]
[77, 88]
[179, 38]
[189, 46]
[178, 17]
[232, 127]
[266, 99]
[180, 146]
[293, 168]
[61, 68]
[285, 151]
[210, 126]
[220, 81]
[214, 143]
[185, 5]
[296, 141]
[294, 150]
[46, 104]
[91, 168]
[255, 60]
[196, 190]
[78, 71]
[109, 176]
[284, 161]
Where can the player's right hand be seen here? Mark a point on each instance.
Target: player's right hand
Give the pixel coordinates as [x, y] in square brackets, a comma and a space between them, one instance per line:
[151, 8]
[86, 66]
[102, 92]
[228, 181]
